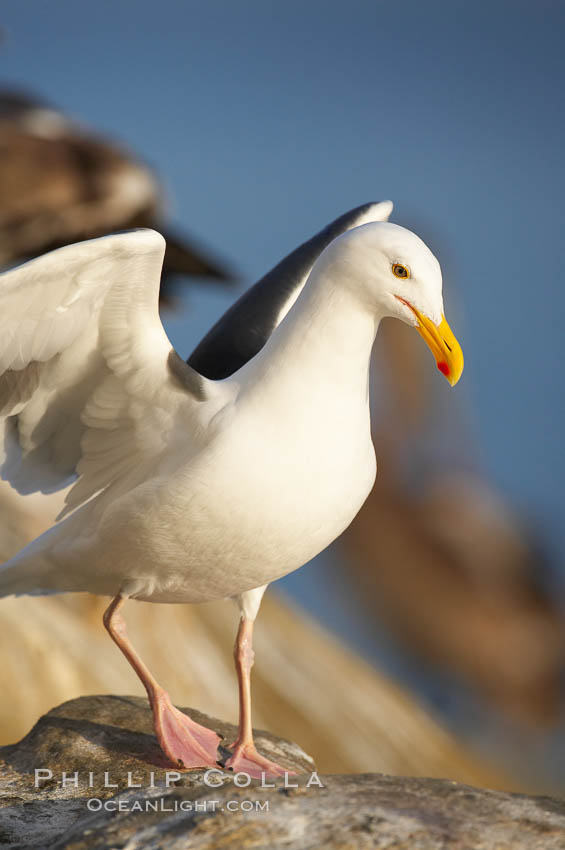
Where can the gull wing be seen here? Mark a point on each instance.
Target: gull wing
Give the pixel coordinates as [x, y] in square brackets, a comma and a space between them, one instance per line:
[244, 329]
[90, 385]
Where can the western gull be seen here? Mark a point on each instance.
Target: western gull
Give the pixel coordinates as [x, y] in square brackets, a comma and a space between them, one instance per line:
[188, 488]
[61, 182]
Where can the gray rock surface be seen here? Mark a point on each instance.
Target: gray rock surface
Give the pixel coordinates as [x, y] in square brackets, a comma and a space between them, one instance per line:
[94, 751]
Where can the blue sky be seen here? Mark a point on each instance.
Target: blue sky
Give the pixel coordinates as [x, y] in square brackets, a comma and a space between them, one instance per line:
[267, 119]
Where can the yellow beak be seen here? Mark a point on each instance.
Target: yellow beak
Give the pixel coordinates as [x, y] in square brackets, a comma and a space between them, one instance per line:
[442, 344]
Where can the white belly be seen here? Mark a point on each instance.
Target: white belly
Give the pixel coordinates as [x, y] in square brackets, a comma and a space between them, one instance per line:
[245, 512]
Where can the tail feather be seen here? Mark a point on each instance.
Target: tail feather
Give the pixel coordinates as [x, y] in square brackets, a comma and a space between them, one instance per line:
[31, 573]
[30, 580]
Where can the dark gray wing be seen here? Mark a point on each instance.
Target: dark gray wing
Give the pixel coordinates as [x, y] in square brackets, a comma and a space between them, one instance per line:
[244, 329]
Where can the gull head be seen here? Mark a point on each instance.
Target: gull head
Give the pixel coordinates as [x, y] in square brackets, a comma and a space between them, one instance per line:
[395, 274]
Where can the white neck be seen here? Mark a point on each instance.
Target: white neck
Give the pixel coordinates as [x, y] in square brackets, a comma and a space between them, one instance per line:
[322, 346]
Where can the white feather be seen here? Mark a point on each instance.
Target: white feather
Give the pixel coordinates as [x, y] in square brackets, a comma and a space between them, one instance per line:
[88, 314]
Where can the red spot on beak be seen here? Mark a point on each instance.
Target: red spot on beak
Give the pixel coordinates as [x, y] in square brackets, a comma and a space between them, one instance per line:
[443, 367]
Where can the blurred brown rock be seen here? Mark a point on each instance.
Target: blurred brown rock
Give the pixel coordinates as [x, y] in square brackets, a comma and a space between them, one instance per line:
[438, 555]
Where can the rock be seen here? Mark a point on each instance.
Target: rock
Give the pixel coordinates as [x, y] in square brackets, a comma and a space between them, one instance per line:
[94, 747]
[92, 754]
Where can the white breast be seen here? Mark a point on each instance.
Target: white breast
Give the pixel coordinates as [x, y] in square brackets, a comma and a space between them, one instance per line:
[263, 499]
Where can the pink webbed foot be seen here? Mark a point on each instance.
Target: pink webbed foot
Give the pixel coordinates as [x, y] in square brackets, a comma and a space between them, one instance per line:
[246, 759]
[184, 742]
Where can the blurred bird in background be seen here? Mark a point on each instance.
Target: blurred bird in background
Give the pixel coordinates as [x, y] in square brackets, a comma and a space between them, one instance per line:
[60, 182]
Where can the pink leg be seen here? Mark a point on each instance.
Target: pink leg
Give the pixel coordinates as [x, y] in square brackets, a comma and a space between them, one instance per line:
[245, 757]
[184, 742]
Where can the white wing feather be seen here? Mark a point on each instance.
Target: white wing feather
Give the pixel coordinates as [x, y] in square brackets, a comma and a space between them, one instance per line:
[85, 385]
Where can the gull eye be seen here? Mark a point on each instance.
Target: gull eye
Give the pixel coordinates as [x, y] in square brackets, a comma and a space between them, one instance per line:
[399, 270]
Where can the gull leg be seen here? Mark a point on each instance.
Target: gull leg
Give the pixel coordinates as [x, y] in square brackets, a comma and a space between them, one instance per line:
[245, 756]
[184, 742]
